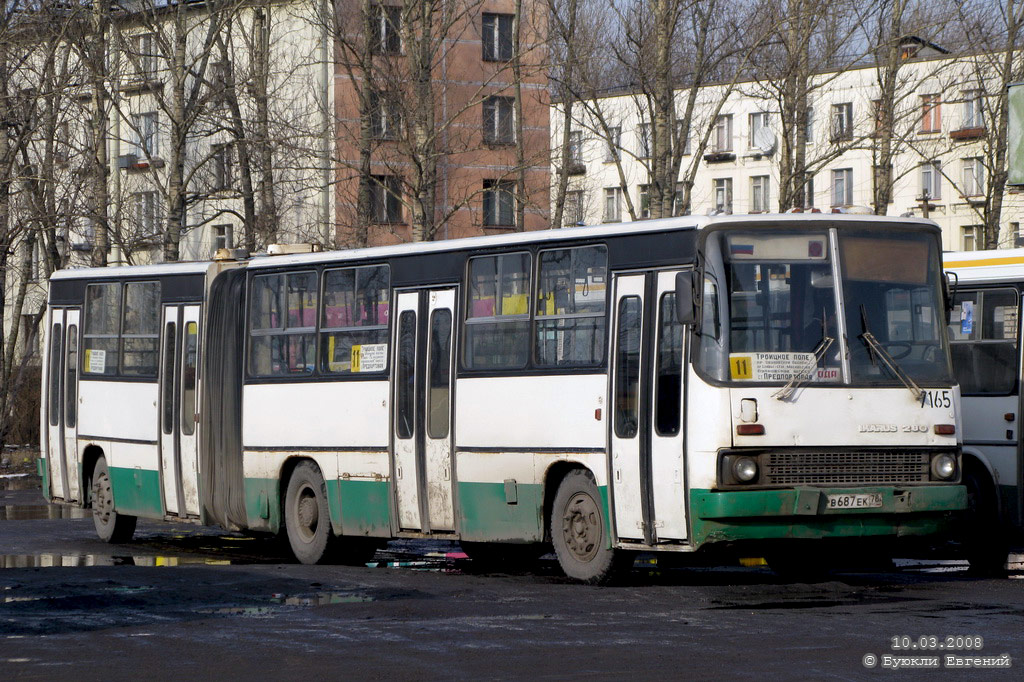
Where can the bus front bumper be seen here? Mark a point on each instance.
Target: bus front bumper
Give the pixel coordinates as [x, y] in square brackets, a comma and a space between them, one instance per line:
[803, 513]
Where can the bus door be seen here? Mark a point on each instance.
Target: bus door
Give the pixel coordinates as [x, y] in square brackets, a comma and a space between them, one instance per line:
[647, 466]
[62, 408]
[179, 362]
[422, 445]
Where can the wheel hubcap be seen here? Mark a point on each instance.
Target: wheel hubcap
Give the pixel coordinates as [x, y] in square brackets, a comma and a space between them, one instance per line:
[102, 500]
[581, 526]
[307, 513]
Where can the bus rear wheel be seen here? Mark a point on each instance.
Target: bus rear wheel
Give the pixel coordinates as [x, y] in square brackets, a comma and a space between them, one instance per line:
[579, 531]
[110, 526]
[306, 517]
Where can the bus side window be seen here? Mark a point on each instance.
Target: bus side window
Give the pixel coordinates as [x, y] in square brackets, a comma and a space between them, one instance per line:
[71, 382]
[627, 367]
[101, 329]
[354, 320]
[569, 329]
[282, 324]
[983, 333]
[56, 351]
[497, 329]
[190, 361]
[140, 329]
[669, 356]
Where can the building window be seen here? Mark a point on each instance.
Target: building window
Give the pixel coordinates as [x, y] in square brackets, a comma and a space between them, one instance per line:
[842, 187]
[722, 140]
[758, 122]
[1018, 238]
[143, 57]
[931, 113]
[576, 147]
[386, 199]
[385, 37]
[147, 218]
[970, 237]
[842, 122]
[499, 120]
[612, 204]
[809, 131]
[677, 200]
[645, 201]
[643, 140]
[146, 139]
[723, 195]
[683, 138]
[931, 180]
[497, 37]
[222, 166]
[611, 152]
[223, 237]
[499, 203]
[759, 194]
[973, 177]
[572, 210]
[974, 110]
[385, 116]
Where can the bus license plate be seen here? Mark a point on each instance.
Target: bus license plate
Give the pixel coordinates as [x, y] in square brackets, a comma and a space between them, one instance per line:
[854, 501]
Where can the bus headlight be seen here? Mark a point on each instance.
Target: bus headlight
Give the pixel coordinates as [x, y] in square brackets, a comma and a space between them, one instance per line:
[744, 469]
[943, 466]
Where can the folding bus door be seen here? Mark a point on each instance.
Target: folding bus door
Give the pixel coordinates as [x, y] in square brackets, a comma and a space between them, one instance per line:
[179, 362]
[62, 404]
[648, 495]
[422, 450]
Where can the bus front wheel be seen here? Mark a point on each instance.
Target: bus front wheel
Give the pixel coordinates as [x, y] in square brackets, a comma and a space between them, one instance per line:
[984, 538]
[579, 531]
[306, 517]
[110, 526]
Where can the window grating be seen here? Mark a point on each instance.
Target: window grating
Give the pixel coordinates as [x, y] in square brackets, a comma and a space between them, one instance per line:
[838, 468]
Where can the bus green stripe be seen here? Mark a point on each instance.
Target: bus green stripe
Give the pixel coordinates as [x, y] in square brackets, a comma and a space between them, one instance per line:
[486, 513]
[136, 492]
[364, 507]
[801, 514]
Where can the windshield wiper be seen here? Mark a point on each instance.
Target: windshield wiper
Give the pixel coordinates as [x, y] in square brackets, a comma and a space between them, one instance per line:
[889, 361]
[804, 375]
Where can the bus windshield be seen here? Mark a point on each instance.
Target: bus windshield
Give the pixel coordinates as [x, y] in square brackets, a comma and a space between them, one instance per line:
[781, 303]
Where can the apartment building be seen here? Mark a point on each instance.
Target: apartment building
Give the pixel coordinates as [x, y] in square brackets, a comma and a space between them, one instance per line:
[465, 154]
[940, 169]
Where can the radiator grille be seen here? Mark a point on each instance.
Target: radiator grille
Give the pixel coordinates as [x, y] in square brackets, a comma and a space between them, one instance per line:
[846, 468]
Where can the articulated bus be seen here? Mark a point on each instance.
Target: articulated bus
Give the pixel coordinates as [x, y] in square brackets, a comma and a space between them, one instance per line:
[779, 384]
[985, 340]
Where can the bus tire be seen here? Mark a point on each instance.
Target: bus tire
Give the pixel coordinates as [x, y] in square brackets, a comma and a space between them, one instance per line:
[579, 531]
[110, 526]
[984, 538]
[306, 516]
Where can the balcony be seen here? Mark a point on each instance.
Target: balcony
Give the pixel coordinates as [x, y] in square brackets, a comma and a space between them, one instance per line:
[967, 134]
[719, 157]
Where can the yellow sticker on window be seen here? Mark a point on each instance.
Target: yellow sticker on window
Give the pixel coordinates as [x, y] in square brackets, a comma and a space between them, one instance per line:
[742, 366]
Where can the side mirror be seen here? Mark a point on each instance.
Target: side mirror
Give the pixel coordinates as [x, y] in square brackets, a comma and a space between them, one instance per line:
[686, 297]
[950, 283]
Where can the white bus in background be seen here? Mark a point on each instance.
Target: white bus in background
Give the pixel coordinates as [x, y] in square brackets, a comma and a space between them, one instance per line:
[985, 339]
[777, 384]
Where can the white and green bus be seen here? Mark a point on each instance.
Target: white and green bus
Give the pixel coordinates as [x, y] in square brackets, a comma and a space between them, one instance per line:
[985, 342]
[775, 383]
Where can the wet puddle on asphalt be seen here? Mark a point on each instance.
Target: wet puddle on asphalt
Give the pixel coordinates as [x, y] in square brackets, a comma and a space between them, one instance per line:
[41, 512]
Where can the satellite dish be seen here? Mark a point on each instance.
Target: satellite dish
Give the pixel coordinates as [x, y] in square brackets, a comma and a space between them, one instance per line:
[765, 141]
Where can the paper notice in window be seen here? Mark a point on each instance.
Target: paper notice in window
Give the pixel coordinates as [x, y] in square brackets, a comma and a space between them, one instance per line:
[369, 357]
[95, 361]
[777, 367]
[966, 317]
